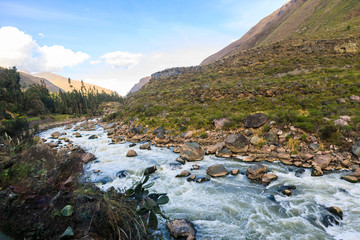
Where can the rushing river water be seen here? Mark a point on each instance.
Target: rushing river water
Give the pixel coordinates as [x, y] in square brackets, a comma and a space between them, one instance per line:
[231, 207]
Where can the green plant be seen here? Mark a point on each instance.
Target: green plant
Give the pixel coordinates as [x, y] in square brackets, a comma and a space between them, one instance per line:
[149, 203]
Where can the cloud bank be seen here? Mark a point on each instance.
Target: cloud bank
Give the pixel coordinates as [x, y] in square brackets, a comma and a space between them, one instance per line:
[122, 59]
[21, 50]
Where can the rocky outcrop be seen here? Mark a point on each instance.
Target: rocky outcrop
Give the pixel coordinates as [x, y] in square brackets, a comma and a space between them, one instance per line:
[256, 120]
[181, 229]
[217, 170]
[174, 72]
[237, 143]
[192, 151]
[140, 84]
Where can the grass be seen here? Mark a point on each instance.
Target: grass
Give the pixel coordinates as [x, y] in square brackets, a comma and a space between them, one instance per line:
[304, 89]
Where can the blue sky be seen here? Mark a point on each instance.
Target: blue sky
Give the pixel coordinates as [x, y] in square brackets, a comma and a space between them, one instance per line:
[115, 43]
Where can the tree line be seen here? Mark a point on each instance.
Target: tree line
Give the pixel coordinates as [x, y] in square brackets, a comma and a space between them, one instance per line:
[36, 100]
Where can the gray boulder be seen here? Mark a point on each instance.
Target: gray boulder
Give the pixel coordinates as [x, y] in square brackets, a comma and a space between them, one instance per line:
[217, 170]
[224, 152]
[236, 143]
[256, 172]
[192, 151]
[356, 149]
[181, 229]
[256, 120]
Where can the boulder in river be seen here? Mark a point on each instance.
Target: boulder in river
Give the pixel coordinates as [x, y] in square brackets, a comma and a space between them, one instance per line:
[236, 143]
[181, 160]
[93, 137]
[217, 170]
[336, 211]
[235, 171]
[87, 157]
[224, 153]
[317, 171]
[183, 174]
[192, 151]
[55, 135]
[181, 229]
[268, 177]
[256, 172]
[202, 179]
[176, 150]
[146, 146]
[150, 170]
[256, 120]
[131, 153]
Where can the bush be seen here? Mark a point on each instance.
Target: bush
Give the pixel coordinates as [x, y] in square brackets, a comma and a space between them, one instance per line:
[331, 134]
[14, 127]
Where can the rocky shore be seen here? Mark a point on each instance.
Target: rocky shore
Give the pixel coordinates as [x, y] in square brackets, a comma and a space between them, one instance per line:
[259, 140]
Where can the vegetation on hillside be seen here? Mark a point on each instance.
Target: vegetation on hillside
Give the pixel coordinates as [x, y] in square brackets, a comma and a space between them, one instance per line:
[306, 83]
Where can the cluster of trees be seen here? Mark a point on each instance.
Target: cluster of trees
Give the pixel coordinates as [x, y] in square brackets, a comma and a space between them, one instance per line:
[37, 100]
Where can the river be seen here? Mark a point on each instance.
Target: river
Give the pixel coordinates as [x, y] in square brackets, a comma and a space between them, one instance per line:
[232, 207]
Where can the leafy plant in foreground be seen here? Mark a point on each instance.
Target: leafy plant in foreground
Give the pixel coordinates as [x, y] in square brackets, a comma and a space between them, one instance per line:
[149, 203]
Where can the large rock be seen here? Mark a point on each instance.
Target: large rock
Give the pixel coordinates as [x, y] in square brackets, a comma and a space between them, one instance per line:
[322, 161]
[55, 135]
[181, 229]
[183, 174]
[272, 135]
[214, 148]
[237, 143]
[256, 120]
[356, 149]
[221, 122]
[192, 151]
[224, 152]
[256, 172]
[145, 146]
[268, 177]
[131, 153]
[87, 157]
[354, 98]
[340, 123]
[217, 170]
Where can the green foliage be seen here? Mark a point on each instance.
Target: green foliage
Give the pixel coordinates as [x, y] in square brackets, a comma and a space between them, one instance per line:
[14, 127]
[149, 203]
[331, 134]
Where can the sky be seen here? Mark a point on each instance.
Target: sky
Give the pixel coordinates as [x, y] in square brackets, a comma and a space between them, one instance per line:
[115, 43]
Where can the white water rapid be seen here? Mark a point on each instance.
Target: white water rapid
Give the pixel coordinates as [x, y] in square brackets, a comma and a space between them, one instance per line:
[231, 207]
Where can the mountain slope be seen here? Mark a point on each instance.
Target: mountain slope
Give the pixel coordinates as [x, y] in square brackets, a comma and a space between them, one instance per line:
[140, 84]
[27, 80]
[310, 19]
[62, 82]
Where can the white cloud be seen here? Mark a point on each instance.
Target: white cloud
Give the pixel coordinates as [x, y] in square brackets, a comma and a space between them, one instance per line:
[21, 50]
[122, 59]
[56, 57]
[95, 62]
[41, 35]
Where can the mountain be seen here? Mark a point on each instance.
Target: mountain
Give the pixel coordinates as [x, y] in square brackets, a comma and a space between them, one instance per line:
[309, 19]
[27, 80]
[140, 84]
[308, 79]
[62, 82]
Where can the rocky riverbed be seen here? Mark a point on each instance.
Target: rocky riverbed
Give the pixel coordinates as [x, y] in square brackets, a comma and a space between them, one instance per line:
[275, 200]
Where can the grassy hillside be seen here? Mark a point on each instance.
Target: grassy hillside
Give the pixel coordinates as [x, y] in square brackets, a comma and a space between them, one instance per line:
[310, 19]
[62, 82]
[296, 82]
[27, 80]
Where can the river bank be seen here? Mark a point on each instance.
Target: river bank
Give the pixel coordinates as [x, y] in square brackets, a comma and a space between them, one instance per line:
[233, 202]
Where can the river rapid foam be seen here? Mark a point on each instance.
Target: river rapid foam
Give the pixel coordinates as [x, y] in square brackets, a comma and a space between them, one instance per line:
[232, 207]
